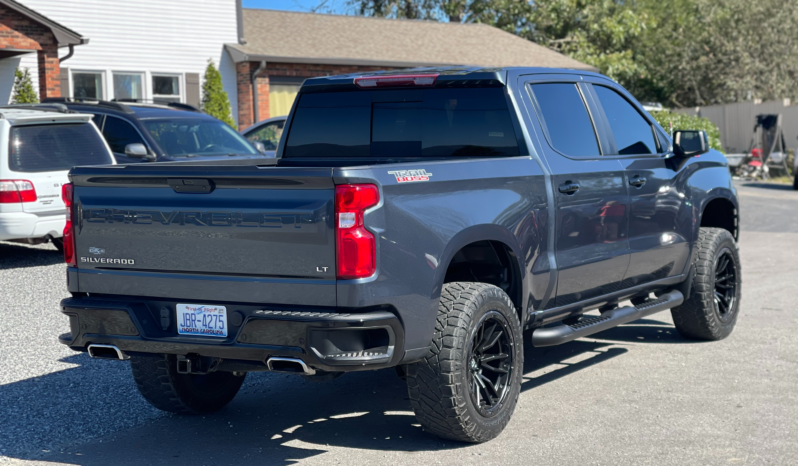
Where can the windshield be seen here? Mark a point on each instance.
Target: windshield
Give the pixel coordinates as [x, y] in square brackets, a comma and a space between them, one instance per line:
[190, 137]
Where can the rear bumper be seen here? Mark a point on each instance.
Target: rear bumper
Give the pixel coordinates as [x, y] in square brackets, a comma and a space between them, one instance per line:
[322, 338]
[21, 225]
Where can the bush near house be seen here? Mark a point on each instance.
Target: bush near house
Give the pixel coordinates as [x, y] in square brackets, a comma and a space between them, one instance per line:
[24, 93]
[682, 121]
[214, 99]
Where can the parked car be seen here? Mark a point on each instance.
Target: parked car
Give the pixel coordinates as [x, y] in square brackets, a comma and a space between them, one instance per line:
[142, 132]
[267, 132]
[37, 149]
[418, 220]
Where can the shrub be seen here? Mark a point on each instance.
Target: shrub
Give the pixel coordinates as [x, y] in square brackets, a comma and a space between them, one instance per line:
[24, 93]
[682, 121]
[214, 99]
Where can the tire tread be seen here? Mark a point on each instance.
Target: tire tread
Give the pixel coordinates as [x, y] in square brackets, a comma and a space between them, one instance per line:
[696, 317]
[436, 394]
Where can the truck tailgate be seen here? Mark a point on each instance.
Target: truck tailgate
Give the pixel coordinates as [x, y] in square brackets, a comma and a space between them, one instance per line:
[210, 233]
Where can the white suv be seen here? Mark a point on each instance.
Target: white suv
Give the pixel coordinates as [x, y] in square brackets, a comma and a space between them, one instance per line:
[37, 150]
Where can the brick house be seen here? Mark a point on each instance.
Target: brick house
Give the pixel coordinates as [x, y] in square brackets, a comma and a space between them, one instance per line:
[152, 50]
[26, 32]
[280, 49]
[149, 50]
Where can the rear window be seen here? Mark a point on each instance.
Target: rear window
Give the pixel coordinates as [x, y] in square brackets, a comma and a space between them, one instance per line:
[44, 148]
[404, 123]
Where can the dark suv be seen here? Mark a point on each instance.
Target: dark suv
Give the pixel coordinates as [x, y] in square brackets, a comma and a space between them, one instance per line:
[140, 132]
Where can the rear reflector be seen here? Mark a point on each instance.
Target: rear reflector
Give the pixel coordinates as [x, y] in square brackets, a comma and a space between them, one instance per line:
[397, 80]
[355, 245]
[69, 230]
[16, 191]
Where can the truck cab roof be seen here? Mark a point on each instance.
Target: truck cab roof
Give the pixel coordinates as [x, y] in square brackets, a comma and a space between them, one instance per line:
[447, 76]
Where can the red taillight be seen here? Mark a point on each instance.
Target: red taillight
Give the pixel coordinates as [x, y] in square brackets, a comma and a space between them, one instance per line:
[69, 230]
[397, 80]
[16, 191]
[355, 245]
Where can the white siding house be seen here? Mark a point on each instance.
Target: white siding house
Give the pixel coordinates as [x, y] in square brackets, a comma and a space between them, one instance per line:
[142, 49]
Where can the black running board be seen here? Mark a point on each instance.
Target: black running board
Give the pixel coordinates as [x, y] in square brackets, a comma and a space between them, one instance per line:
[551, 336]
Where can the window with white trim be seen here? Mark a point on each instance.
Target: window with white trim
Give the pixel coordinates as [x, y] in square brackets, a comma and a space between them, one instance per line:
[128, 86]
[166, 88]
[87, 85]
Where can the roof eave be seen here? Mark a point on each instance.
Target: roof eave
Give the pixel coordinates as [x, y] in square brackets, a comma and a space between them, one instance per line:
[63, 35]
[238, 55]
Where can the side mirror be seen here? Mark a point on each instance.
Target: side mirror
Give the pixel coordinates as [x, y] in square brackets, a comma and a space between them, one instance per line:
[689, 143]
[138, 151]
[259, 146]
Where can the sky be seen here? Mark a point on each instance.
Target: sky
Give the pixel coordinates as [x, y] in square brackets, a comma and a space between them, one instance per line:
[328, 6]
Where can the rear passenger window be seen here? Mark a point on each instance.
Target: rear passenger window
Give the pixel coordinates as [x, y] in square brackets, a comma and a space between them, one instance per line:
[633, 134]
[119, 134]
[566, 120]
[45, 148]
[403, 123]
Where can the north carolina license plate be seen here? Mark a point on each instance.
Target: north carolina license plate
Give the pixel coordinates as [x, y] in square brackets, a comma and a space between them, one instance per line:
[201, 320]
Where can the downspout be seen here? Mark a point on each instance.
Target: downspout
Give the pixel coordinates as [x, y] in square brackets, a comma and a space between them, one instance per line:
[69, 55]
[256, 113]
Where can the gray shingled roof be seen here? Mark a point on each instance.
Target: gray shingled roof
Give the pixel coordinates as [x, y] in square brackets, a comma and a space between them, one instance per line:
[289, 37]
[63, 35]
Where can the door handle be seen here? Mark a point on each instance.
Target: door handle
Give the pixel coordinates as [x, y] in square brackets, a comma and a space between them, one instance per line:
[569, 188]
[637, 181]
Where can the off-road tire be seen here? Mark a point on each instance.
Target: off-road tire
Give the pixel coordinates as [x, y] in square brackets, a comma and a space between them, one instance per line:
[438, 385]
[159, 383]
[698, 317]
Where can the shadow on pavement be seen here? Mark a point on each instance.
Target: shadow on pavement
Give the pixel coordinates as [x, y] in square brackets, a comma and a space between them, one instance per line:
[275, 419]
[644, 331]
[15, 256]
[775, 186]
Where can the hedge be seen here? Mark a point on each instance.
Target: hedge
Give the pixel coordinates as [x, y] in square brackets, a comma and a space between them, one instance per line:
[682, 121]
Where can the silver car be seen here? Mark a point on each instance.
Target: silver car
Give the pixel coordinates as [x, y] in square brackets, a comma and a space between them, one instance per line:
[267, 133]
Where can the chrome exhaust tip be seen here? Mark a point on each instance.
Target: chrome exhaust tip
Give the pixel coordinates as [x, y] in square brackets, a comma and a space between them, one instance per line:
[107, 352]
[289, 365]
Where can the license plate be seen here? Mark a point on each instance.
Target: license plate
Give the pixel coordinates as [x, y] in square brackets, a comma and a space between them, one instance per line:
[201, 320]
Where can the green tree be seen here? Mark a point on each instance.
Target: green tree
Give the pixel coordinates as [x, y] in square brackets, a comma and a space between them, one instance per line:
[598, 32]
[214, 99]
[24, 93]
[682, 53]
[712, 51]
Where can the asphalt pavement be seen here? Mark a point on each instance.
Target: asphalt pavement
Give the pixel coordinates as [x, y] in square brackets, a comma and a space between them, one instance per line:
[636, 394]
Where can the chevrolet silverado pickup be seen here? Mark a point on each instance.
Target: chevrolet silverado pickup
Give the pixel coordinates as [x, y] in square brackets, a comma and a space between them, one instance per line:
[419, 220]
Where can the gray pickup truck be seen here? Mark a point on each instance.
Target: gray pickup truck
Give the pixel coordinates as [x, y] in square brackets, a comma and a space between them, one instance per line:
[419, 220]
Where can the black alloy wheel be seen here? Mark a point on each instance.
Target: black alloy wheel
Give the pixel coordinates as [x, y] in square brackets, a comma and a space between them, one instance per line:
[725, 283]
[467, 386]
[490, 361]
[712, 304]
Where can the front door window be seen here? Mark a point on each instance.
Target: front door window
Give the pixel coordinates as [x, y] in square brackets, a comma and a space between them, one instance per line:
[633, 134]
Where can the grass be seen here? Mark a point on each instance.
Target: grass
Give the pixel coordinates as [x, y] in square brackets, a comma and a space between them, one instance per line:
[781, 179]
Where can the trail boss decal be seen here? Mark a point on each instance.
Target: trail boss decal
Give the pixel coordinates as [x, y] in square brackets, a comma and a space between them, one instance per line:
[407, 176]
